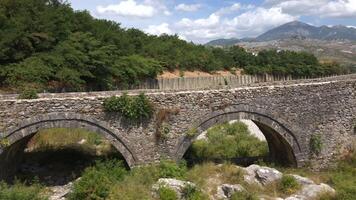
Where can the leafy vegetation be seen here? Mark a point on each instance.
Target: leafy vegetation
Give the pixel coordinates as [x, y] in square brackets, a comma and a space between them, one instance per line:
[227, 141]
[133, 108]
[167, 194]
[64, 138]
[315, 144]
[244, 195]
[20, 191]
[48, 45]
[4, 142]
[288, 184]
[341, 177]
[28, 94]
[97, 180]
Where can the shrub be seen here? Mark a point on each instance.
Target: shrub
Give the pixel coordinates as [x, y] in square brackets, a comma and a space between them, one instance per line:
[244, 195]
[170, 169]
[4, 142]
[97, 181]
[28, 94]
[162, 125]
[137, 184]
[228, 141]
[315, 144]
[19, 191]
[193, 193]
[133, 108]
[167, 194]
[192, 132]
[288, 184]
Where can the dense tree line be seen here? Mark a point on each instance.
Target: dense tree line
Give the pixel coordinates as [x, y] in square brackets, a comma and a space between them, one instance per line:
[45, 44]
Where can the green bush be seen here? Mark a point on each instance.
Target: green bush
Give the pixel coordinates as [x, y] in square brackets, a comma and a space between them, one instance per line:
[288, 184]
[20, 191]
[131, 107]
[4, 142]
[97, 181]
[244, 195]
[137, 184]
[228, 141]
[170, 169]
[193, 193]
[167, 194]
[28, 94]
[315, 144]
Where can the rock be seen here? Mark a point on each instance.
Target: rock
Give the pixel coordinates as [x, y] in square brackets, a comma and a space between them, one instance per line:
[292, 198]
[177, 185]
[311, 191]
[262, 176]
[60, 192]
[303, 180]
[225, 191]
[250, 175]
[83, 141]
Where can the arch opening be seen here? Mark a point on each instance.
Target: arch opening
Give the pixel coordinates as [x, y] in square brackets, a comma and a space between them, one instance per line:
[77, 144]
[283, 146]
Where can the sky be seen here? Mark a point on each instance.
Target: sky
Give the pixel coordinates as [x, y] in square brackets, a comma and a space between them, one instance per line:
[202, 21]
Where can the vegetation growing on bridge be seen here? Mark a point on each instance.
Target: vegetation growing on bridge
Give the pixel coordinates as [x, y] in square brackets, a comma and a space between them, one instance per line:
[28, 93]
[315, 144]
[48, 45]
[133, 108]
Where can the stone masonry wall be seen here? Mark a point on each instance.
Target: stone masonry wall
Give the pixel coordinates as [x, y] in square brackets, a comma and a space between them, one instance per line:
[294, 110]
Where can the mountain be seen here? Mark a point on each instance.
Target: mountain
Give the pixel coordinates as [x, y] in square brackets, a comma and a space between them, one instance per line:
[223, 42]
[297, 30]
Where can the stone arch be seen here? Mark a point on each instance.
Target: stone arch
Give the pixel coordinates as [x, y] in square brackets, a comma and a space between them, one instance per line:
[17, 138]
[279, 136]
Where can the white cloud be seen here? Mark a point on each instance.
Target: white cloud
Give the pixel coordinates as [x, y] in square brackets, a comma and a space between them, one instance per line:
[259, 20]
[128, 8]
[159, 29]
[230, 9]
[322, 8]
[159, 5]
[212, 21]
[188, 7]
[248, 24]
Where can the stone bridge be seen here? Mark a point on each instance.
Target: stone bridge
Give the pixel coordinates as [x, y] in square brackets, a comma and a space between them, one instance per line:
[288, 113]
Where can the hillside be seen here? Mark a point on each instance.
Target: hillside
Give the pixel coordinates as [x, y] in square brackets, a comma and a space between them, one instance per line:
[337, 43]
[298, 29]
[46, 45]
[343, 52]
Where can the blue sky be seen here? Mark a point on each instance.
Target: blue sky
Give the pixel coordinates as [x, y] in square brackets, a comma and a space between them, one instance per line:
[201, 21]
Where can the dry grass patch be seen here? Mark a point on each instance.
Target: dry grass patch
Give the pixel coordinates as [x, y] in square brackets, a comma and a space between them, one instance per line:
[62, 138]
[209, 176]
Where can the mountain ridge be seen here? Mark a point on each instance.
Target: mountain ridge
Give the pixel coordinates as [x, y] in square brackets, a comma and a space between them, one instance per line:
[296, 29]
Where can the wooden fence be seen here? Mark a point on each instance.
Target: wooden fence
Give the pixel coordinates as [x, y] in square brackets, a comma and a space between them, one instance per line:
[186, 83]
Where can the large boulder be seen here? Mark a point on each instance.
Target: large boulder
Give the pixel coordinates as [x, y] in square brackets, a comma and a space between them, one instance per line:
[303, 180]
[176, 185]
[262, 176]
[311, 191]
[225, 191]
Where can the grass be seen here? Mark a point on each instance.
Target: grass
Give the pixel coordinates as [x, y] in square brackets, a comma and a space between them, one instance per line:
[97, 181]
[19, 191]
[109, 179]
[228, 141]
[208, 176]
[288, 185]
[63, 138]
[341, 178]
